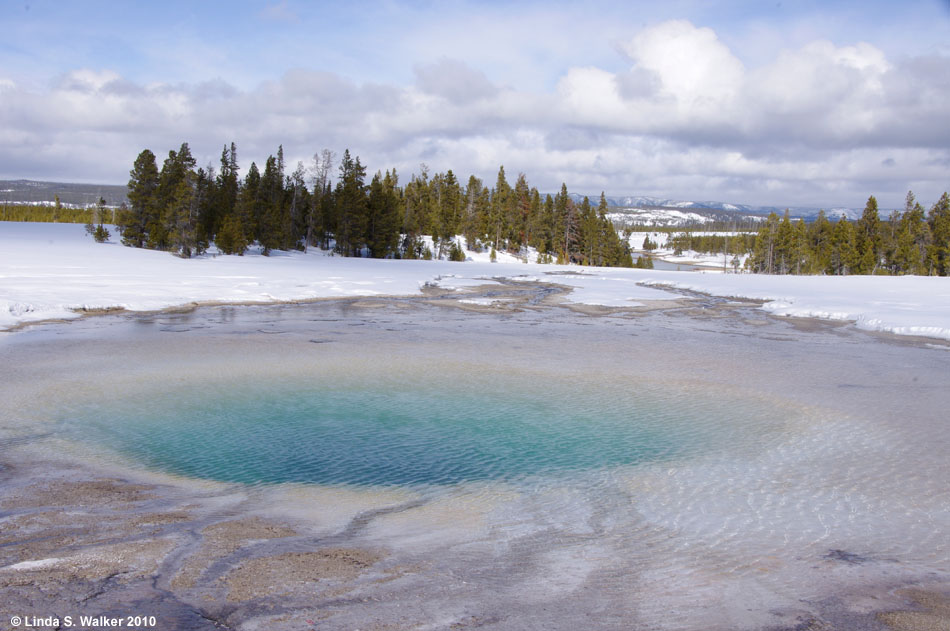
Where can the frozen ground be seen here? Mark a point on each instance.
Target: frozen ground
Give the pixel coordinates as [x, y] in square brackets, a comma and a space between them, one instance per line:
[50, 271]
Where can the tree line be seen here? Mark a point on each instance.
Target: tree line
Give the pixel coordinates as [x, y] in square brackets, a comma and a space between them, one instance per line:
[736, 243]
[908, 242]
[183, 208]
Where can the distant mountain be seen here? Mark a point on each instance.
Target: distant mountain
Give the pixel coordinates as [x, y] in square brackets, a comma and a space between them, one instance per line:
[655, 203]
[674, 217]
[70, 195]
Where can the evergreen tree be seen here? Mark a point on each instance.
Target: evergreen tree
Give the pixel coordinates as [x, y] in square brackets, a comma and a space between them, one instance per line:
[177, 202]
[763, 257]
[842, 247]
[382, 238]
[94, 226]
[938, 220]
[448, 202]
[142, 210]
[418, 210]
[868, 239]
[784, 250]
[472, 220]
[205, 197]
[501, 197]
[912, 240]
[802, 258]
[273, 219]
[351, 204]
[299, 210]
[819, 241]
[519, 212]
[565, 223]
[226, 189]
[247, 208]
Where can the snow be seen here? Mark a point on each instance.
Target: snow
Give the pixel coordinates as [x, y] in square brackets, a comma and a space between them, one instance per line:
[905, 305]
[658, 216]
[688, 257]
[54, 270]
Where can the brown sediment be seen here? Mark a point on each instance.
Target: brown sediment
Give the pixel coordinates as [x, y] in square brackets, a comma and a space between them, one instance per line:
[90, 492]
[301, 573]
[160, 519]
[222, 539]
[77, 543]
[931, 613]
[128, 560]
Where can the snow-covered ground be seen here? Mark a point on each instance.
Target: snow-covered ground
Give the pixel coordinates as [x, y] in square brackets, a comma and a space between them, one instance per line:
[658, 216]
[52, 270]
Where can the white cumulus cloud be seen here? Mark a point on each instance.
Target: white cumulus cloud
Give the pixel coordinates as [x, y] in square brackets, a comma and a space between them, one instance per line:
[678, 115]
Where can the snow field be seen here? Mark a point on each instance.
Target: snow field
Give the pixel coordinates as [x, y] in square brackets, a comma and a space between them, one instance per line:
[52, 271]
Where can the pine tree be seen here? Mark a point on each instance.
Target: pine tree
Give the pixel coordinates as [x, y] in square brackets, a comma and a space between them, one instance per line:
[868, 239]
[142, 210]
[419, 210]
[382, 206]
[226, 189]
[176, 200]
[819, 242]
[938, 253]
[842, 247]
[472, 220]
[247, 207]
[763, 259]
[501, 197]
[94, 226]
[351, 202]
[299, 211]
[205, 198]
[519, 213]
[449, 207]
[273, 219]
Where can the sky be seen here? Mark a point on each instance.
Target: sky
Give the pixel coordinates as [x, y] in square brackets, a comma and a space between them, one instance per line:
[764, 103]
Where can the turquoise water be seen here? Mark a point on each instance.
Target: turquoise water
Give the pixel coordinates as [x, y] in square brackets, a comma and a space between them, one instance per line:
[445, 430]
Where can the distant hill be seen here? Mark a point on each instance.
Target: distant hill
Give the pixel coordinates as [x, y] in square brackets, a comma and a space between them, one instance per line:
[674, 217]
[656, 203]
[679, 212]
[70, 195]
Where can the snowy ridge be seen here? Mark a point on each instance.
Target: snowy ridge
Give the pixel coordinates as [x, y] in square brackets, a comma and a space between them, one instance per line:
[659, 217]
[52, 270]
[632, 204]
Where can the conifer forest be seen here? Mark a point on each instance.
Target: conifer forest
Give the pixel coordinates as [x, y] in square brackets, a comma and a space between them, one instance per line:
[183, 208]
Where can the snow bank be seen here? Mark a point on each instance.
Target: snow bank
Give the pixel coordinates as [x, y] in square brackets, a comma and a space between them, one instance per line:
[906, 305]
[53, 270]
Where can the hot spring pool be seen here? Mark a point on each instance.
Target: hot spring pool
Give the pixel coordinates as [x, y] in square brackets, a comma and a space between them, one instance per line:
[541, 469]
[420, 427]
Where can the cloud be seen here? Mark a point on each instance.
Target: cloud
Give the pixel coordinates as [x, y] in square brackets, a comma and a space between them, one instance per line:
[678, 116]
[454, 81]
[692, 67]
